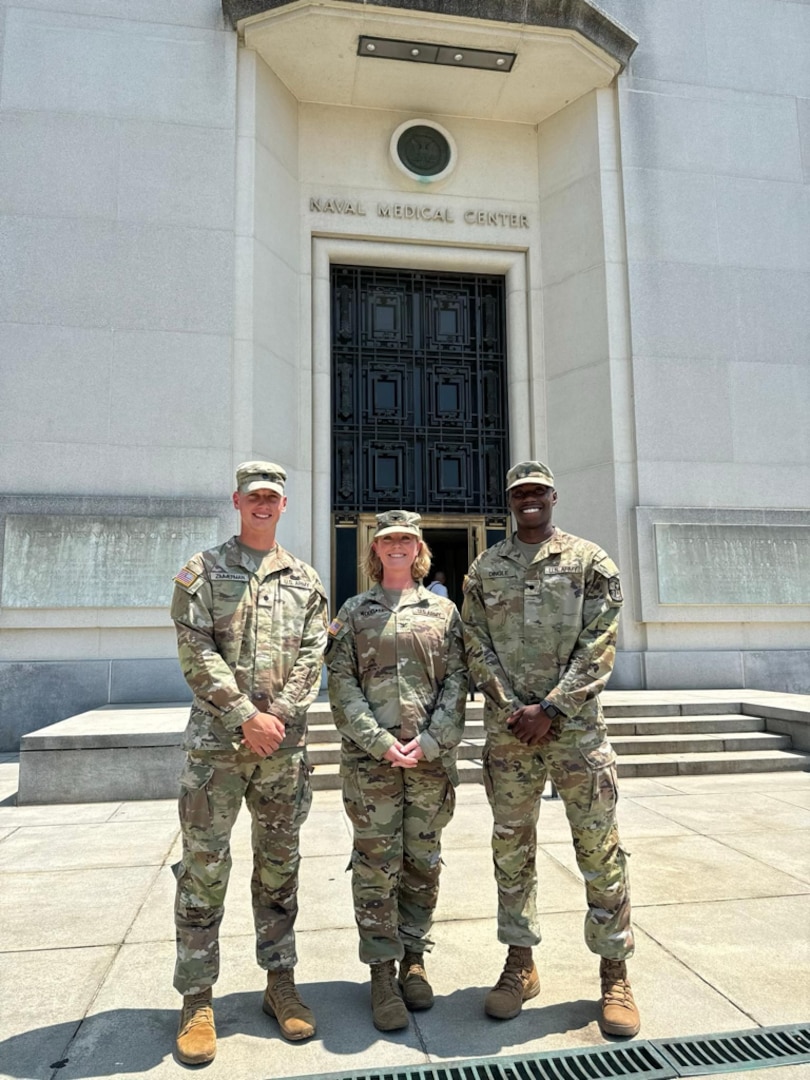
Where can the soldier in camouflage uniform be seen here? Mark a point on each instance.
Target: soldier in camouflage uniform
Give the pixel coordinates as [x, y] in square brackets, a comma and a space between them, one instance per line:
[397, 687]
[251, 628]
[541, 612]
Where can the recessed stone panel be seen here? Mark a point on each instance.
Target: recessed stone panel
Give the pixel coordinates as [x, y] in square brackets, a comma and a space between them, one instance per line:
[69, 561]
[733, 564]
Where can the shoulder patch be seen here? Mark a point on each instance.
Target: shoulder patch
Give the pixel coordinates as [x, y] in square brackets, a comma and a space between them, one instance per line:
[615, 589]
[466, 584]
[186, 577]
[335, 626]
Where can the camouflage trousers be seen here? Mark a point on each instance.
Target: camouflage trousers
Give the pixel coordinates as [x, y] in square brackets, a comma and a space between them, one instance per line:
[397, 816]
[278, 793]
[581, 763]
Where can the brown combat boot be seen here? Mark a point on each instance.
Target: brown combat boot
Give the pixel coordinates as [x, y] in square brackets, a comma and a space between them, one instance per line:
[413, 982]
[196, 1036]
[387, 1007]
[519, 981]
[619, 1011]
[282, 1000]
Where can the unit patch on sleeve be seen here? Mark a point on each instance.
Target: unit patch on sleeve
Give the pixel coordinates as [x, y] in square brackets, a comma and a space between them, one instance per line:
[615, 589]
[186, 577]
[335, 626]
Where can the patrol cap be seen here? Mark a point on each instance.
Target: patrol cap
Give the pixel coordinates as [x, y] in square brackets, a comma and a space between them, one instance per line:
[400, 521]
[255, 475]
[529, 472]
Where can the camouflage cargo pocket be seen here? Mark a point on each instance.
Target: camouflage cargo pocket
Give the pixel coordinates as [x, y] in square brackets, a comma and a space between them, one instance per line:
[195, 805]
[303, 793]
[600, 762]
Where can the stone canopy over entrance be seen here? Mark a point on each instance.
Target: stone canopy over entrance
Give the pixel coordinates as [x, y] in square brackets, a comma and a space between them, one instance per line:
[562, 51]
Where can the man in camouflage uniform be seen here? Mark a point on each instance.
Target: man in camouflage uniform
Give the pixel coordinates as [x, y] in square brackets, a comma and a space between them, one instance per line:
[541, 612]
[251, 628]
[397, 688]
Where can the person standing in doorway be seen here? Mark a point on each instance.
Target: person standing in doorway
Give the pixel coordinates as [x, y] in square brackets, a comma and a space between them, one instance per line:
[541, 612]
[439, 584]
[251, 629]
[397, 688]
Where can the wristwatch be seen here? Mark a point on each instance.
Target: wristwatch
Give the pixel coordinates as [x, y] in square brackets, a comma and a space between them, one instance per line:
[551, 711]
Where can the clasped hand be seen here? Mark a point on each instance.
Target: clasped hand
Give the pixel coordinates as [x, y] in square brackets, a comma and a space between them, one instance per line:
[531, 724]
[405, 756]
[263, 733]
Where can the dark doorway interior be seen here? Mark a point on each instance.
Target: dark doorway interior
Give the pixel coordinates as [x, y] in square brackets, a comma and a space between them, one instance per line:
[450, 554]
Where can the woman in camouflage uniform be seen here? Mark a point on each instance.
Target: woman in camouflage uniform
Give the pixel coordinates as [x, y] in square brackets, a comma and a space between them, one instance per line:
[397, 686]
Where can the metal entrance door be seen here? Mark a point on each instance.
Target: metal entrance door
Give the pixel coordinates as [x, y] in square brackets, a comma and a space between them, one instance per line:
[419, 403]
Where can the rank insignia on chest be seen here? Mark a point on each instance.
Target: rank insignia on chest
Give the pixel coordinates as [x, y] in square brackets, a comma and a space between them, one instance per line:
[186, 577]
[335, 626]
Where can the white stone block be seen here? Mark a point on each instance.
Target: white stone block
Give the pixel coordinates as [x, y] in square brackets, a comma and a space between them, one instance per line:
[276, 117]
[275, 301]
[803, 110]
[770, 406]
[758, 45]
[157, 384]
[61, 62]
[721, 483]
[763, 224]
[275, 406]
[96, 468]
[586, 503]
[672, 44]
[176, 174]
[58, 166]
[679, 310]
[735, 134]
[568, 145]
[683, 411]
[205, 13]
[173, 279]
[56, 271]
[670, 216]
[54, 384]
[575, 322]
[694, 670]
[277, 207]
[571, 230]
[579, 418]
[771, 309]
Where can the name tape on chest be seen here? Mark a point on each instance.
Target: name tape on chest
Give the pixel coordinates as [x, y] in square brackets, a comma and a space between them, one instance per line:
[226, 575]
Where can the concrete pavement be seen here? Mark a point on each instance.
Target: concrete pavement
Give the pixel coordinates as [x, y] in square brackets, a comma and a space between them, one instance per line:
[721, 889]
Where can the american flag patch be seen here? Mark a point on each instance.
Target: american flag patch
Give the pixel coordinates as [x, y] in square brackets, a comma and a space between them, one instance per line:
[186, 577]
[335, 626]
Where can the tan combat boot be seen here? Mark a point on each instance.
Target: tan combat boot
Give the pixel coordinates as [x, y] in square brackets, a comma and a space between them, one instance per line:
[619, 1011]
[196, 1036]
[282, 1000]
[387, 1007]
[519, 981]
[413, 982]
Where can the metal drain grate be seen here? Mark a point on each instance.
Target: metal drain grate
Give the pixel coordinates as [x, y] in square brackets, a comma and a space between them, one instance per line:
[659, 1059]
[739, 1050]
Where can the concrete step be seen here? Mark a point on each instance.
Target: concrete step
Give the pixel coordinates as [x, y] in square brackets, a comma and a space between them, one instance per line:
[737, 761]
[683, 725]
[699, 743]
[118, 752]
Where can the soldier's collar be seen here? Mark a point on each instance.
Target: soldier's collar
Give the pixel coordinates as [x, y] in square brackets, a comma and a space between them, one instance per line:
[277, 559]
[553, 546]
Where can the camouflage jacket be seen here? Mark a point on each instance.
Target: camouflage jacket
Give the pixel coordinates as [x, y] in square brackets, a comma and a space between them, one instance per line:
[541, 630]
[398, 675]
[248, 640]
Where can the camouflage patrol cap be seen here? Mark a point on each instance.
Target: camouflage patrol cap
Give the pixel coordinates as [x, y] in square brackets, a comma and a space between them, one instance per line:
[256, 475]
[400, 521]
[529, 472]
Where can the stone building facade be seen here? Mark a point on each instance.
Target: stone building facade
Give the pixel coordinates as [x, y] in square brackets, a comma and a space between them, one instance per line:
[557, 230]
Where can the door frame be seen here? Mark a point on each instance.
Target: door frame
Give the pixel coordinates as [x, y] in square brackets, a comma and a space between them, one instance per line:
[524, 379]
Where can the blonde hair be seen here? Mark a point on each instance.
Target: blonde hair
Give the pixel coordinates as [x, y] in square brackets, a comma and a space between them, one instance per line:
[371, 566]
